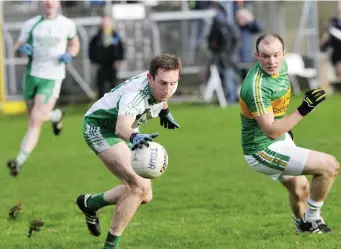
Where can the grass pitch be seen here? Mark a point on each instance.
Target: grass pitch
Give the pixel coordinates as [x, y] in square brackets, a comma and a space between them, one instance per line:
[207, 198]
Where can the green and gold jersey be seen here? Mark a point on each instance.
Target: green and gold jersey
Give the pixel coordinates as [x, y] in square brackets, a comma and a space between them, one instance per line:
[261, 93]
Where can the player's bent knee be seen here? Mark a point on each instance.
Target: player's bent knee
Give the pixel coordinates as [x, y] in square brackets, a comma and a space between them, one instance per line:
[322, 164]
[140, 189]
[35, 120]
[333, 166]
[148, 198]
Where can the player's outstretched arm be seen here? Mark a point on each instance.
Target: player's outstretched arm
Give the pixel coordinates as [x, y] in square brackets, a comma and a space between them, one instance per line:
[18, 45]
[275, 129]
[73, 46]
[124, 128]
[166, 118]
[124, 131]
[72, 51]
[23, 47]
[23, 37]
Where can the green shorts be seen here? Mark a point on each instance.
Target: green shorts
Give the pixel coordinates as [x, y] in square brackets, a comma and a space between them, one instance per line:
[48, 88]
[98, 138]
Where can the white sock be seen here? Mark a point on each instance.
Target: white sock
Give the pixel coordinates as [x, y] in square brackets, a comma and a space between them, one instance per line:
[313, 210]
[21, 157]
[55, 115]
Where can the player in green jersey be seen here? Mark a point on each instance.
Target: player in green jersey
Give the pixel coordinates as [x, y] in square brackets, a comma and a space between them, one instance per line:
[267, 146]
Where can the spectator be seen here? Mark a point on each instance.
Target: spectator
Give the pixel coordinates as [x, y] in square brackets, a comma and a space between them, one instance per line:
[69, 4]
[223, 42]
[95, 2]
[106, 51]
[332, 40]
[199, 5]
[248, 26]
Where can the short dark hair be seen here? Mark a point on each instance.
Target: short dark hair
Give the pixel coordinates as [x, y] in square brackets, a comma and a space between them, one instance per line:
[262, 37]
[166, 62]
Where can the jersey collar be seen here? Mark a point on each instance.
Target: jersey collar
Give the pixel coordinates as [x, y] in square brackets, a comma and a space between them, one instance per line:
[44, 18]
[151, 99]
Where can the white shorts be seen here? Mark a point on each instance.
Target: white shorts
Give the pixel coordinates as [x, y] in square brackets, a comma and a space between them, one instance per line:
[281, 160]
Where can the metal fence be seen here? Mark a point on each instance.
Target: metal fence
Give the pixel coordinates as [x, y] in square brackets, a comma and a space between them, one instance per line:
[143, 39]
[161, 31]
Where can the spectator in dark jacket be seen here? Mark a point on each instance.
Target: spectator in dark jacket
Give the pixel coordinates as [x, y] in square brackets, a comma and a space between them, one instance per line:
[199, 5]
[223, 42]
[332, 39]
[248, 26]
[106, 51]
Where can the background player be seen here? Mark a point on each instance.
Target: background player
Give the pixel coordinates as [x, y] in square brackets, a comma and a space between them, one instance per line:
[111, 127]
[268, 149]
[50, 41]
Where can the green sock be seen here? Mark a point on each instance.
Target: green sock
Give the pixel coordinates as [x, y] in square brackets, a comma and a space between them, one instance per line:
[97, 201]
[112, 241]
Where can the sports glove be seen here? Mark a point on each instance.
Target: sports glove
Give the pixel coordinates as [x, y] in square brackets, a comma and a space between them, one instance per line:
[66, 58]
[138, 140]
[311, 100]
[26, 49]
[167, 120]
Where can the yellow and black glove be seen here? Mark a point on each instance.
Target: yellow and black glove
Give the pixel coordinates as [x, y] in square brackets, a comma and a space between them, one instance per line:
[311, 100]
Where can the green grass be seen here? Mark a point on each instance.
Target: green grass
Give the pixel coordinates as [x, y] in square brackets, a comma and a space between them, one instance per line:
[207, 198]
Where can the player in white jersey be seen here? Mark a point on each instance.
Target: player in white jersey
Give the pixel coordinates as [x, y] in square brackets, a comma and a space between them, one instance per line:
[111, 128]
[50, 41]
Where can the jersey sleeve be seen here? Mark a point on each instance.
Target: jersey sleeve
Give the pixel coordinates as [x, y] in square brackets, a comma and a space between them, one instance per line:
[25, 31]
[72, 30]
[130, 104]
[258, 98]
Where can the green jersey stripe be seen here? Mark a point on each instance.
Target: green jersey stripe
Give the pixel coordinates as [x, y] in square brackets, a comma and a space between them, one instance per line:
[137, 100]
[267, 163]
[30, 41]
[139, 97]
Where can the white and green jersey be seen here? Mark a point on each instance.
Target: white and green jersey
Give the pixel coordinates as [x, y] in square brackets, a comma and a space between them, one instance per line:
[132, 97]
[49, 39]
